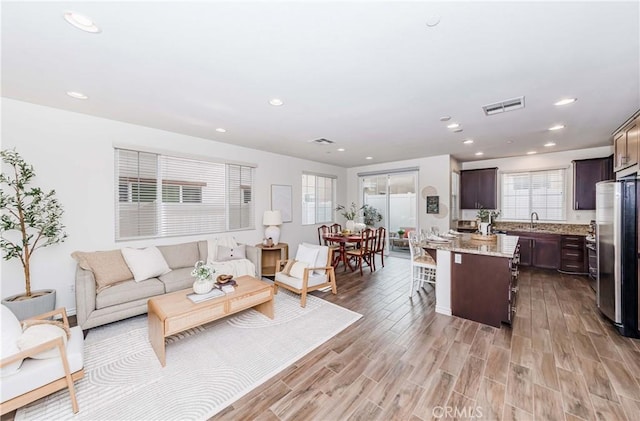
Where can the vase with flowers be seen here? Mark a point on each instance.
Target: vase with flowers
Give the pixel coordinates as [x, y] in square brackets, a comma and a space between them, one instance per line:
[204, 277]
[349, 214]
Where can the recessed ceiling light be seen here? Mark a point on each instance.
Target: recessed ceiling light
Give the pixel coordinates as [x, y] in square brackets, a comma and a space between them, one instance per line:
[479, 153]
[77, 95]
[550, 144]
[340, 149]
[445, 118]
[369, 157]
[458, 130]
[509, 141]
[468, 142]
[276, 102]
[532, 153]
[557, 127]
[81, 22]
[221, 130]
[453, 125]
[566, 101]
[432, 20]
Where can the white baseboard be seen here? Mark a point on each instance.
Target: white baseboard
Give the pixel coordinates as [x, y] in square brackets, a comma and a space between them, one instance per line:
[443, 310]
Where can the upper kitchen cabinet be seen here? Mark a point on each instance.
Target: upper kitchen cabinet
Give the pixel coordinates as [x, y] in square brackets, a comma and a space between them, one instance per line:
[626, 144]
[586, 173]
[478, 189]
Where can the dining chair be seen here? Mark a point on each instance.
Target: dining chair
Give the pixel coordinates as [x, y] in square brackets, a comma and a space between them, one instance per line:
[381, 239]
[335, 228]
[322, 230]
[423, 267]
[365, 253]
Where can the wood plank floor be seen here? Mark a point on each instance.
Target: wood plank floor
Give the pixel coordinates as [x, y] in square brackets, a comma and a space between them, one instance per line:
[560, 361]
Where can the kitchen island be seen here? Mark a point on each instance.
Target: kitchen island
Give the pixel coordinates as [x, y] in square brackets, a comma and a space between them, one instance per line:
[476, 279]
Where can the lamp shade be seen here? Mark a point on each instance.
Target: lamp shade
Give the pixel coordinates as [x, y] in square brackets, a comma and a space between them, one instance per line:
[272, 217]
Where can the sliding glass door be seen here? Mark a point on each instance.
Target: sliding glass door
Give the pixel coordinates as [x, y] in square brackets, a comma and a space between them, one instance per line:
[393, 194]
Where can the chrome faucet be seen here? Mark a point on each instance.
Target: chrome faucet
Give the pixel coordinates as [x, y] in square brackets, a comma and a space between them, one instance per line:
[537, 219]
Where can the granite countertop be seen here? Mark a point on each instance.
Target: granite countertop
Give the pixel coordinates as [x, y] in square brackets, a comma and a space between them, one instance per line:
[542, 227]
[504, 246]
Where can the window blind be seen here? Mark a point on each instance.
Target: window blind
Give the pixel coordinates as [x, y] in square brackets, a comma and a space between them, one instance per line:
[318, 199]
[534, 191]
[163, 196]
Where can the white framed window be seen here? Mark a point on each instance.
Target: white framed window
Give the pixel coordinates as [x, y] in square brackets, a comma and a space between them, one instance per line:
[161, 196]
[541, 191]
[318, 198]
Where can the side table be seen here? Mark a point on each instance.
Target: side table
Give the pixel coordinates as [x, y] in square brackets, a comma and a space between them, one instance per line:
[272, 254]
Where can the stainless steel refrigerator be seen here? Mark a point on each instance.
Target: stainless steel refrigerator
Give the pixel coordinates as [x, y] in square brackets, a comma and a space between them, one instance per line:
[617, 236]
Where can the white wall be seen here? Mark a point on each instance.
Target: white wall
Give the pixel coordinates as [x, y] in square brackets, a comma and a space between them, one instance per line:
[73, 154]
[543, 161]
[433, 179]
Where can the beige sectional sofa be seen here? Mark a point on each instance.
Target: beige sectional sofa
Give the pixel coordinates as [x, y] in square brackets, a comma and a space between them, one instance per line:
[106, 291]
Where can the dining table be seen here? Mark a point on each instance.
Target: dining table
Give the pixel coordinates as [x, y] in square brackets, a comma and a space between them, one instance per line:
[342, 240]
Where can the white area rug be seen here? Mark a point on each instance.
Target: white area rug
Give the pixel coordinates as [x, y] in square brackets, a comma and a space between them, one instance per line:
[208, 368]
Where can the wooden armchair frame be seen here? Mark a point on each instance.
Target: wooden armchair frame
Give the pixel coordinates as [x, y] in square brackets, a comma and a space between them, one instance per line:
[47, 389]
[330, 273]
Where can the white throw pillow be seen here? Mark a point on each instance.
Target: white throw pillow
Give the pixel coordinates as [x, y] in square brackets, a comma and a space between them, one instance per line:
[321, 259]
[231, 253]
[307, 254]
[145, 263]
[39, 334]
[10, 331]
[297, 270]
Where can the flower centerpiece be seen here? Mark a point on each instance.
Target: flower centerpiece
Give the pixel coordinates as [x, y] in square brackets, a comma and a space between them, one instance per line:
[204, 277]
[349, 214]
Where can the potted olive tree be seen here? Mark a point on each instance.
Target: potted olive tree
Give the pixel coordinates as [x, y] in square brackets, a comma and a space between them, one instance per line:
[30, 219]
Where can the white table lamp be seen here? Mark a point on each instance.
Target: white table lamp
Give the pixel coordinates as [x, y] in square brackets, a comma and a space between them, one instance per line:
[272, 218]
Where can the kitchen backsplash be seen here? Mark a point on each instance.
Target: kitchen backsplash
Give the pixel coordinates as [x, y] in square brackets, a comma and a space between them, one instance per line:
[570, 229]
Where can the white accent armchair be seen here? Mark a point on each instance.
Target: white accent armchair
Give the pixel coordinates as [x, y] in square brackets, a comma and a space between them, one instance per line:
[316, 272]
[26, 379]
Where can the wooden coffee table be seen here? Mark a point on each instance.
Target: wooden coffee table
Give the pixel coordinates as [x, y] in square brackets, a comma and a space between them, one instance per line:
[173, 313]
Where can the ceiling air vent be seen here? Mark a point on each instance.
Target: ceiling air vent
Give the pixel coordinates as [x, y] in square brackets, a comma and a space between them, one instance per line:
[503, 106]
[322, 141]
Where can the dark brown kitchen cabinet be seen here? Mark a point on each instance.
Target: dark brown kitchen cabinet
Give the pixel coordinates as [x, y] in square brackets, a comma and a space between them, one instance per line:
[539, 250]
[626, 144]
[524, 243]
[484, 288]
[586, 173]
[478, 189]
[573, 254]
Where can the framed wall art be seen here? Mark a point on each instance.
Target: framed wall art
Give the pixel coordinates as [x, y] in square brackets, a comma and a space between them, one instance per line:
[433, 204]
[281, 200]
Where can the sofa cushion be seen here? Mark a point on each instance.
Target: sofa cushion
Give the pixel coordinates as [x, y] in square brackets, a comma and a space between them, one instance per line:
[313, 280]
[297, 270]
[181, 255]
[322, 259]
[129, 291]
[231, 253]
[307, 254]
[10, 331]
[39, 334]
[145, 263]
[108, 267]
[213, 243]
[177, 279]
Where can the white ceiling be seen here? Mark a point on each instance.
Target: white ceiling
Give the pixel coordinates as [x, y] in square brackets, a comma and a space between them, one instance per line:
[370, 76]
